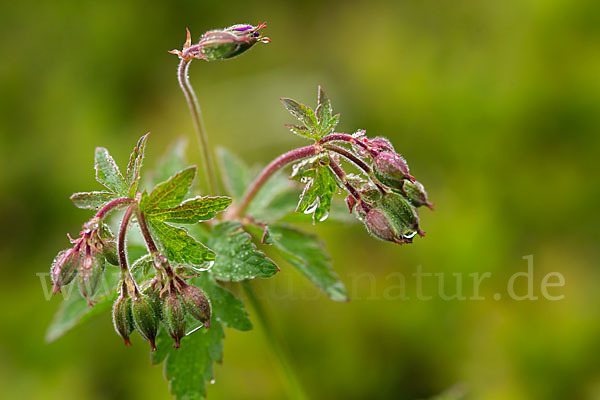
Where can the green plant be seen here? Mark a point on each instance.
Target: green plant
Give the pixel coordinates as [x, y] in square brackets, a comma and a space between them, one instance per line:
[191, 243]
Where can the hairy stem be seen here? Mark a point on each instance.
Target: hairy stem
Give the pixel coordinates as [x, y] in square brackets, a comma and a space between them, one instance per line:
[274, 166]
[201, 136]
[342, 175]
[350, 157]
[152, 249]
[291, 380]
[111, 206]
[343, 137]
[121, 249]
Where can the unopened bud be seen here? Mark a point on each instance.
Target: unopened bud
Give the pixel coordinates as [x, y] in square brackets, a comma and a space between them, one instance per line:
[91, 270]
[382, 144]
[221, 44]
[145, 317]
[370, 193]
[403, 212]
[123, 318]
[416, 194]
[64, 268]
[174, 316]
[196, 303]
[381, 223]
[109, 251]
[391, 169]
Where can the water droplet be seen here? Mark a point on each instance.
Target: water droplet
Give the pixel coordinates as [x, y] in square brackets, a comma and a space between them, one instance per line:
[324, 217]
[311, 209]
[212, 381]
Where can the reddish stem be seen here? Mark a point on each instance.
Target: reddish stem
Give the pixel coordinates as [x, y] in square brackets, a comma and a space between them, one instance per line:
[343, 137]
[146, 233]
[350, 157]
[121, 241]
[276, 164]
[112, 205]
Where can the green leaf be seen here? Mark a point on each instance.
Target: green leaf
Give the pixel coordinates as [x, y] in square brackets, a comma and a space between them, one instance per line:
[237, 257]
[172, 161]
[190, 367]
[135, 165]
[324, 110]
[225, 306]
[267, 204]
[303, 113]
[75, 311]
[300, 131]
[178, 245]
[307, 254]
[108, 174]
[320, 187]
[235, 173]
[170, 193]
[192, 211]
[92, 200]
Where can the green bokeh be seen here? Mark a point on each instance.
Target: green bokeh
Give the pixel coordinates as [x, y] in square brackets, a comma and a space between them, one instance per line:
[495, 105]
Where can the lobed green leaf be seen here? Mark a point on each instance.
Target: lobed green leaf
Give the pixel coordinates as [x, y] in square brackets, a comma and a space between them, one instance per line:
[108, 174]
[320, 186]
[303, 113]
[178, 245]
[307, 254]
[237, 257]
[92, 200]
[225, 306]
[236, 175]
[170, 193]
[192, 211]
[135, 165]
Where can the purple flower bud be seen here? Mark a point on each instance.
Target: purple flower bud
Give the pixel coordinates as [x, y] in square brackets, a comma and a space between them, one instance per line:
[221, 44]
[391, 169]
[174, 316]
[123, 318]
[64, 268]
[381, 144]
[196, 303]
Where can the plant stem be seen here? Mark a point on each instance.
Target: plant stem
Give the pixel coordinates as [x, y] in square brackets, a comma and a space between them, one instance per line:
[201, 136]
[350, 157]
[112, 205]
[269, 170]
[152, 249]
[291, 380]
[121, 241]
[343, 137]
[342, 175]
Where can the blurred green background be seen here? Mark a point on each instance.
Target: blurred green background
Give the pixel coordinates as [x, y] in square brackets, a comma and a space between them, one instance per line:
[495, 105]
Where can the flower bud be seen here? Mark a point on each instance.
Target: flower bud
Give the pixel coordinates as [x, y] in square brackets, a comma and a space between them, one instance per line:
[196, 304]
[381, 223]
[391, 169]
[370, 193]
[91, 269]
[109, 251]
[416, 194]
[64, 268]
[174, 316]
[123, 318]
[221, 44]
[145, 318]
[403, 212]
[382, 144]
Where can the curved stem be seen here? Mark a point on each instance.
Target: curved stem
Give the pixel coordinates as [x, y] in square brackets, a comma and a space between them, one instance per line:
[152, 249]
[342, 175]
[201, 136]
[111, 206]
[292, 382]
[350, 157]
[276, 164]
[121, 241]
[343, 137]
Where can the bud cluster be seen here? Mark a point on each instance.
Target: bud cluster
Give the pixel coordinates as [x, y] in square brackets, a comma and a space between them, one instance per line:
[145, 309]
[388, 201]
[85, 260]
